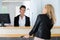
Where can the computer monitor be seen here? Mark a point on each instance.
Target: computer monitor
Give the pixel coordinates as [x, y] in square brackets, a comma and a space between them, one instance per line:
[4, 18]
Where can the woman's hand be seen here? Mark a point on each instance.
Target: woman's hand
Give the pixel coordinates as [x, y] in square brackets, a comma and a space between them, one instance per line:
[27, 36]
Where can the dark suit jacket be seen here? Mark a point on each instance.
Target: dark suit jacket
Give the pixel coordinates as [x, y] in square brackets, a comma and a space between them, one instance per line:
[16, 21]
[42, 27]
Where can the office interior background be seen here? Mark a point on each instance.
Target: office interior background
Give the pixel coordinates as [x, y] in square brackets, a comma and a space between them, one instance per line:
[34, 7]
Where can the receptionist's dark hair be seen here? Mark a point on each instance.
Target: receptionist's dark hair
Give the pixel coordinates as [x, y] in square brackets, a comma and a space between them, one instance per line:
[23, 6]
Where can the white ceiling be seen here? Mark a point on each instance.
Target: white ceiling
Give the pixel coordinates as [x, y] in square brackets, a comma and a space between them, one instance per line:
[14, 0]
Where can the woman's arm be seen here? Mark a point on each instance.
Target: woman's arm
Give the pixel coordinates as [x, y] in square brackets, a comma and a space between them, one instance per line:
[36, 26]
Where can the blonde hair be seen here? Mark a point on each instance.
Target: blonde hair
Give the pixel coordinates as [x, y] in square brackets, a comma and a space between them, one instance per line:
[50, 12]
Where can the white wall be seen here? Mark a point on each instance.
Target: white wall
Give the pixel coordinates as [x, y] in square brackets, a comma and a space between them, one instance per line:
[0, 5]
[14, 0]
[11, 9]
[35, 10]
[58, 13]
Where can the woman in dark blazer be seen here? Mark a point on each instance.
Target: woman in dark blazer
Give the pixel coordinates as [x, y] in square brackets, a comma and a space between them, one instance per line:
[43, 24]
[22, 19]
[16, 21]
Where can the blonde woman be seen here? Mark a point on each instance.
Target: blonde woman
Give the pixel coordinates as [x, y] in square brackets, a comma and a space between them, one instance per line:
[44, 24]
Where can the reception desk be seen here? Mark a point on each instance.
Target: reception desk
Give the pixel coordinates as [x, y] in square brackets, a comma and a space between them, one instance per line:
[22, 31]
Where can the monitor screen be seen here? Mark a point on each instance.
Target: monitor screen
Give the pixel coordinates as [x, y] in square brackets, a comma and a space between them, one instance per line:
[5, 18]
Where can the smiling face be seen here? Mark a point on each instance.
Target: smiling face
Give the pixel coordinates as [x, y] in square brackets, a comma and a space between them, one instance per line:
[44, 11]
[22, 11]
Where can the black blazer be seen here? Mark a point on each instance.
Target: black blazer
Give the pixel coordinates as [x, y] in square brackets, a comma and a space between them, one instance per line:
[42, 27]
[16, 21]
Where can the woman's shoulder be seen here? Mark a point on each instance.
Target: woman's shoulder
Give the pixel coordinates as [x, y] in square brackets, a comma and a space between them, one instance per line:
[43, 15]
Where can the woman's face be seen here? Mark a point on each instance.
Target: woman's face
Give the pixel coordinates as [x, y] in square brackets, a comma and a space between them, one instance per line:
[22, 11]
[44, 11]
